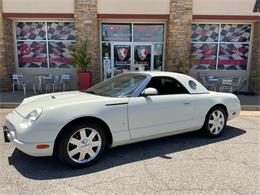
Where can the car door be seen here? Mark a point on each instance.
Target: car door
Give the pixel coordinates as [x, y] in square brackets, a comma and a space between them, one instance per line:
[171, 110]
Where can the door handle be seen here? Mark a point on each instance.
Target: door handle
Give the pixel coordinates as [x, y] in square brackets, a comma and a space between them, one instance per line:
[187, 103]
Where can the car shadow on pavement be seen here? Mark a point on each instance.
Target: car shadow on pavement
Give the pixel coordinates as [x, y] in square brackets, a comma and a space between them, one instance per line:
[46, 168]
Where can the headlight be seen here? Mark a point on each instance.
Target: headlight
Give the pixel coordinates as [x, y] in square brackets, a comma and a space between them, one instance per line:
[33, 116]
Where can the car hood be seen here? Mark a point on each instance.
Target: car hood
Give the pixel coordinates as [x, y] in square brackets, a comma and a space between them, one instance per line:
[54, 100]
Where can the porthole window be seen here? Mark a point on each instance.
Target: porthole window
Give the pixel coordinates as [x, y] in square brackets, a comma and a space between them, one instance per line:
[192, 84]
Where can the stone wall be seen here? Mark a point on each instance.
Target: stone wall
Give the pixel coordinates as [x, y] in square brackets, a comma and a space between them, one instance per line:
[178, 35]
[7, 63]
[254, 77]
[87, 27]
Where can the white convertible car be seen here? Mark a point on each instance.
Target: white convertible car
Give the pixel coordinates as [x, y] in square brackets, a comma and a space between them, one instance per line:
[78, 126]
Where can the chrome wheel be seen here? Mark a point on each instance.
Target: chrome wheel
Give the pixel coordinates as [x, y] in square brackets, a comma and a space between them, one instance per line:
[216, 122]
[84, 145]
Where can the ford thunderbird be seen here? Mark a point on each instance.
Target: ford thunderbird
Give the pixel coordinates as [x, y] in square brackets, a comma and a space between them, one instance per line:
[131, 107]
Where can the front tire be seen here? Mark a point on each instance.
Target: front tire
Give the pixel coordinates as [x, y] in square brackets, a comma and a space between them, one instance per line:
[215, 122]
[81, 145]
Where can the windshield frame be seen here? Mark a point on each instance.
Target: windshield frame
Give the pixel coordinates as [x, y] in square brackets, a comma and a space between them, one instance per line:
[134, 93]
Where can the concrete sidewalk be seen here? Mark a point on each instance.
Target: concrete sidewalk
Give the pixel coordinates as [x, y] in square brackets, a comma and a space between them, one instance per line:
[11, 100]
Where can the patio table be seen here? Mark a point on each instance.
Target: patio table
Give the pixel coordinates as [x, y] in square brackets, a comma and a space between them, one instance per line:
[39, 77]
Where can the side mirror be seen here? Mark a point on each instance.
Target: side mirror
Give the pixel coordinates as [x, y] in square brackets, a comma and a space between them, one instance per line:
[149, 91]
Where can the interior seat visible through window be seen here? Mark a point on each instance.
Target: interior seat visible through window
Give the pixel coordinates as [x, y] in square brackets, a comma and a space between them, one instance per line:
[167, 86]
[156, 83]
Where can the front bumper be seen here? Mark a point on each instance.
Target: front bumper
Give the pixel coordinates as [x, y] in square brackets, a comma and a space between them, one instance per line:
[233, 114]
[11, 131]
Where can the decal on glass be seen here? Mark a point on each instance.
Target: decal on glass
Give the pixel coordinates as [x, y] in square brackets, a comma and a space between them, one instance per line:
[233, 56]
[32, 44]
[30, 31]
[32, 54]
[122, 58]
[235, 32]
[61, 31]
[205, 32]
[60, 54]
[205, 56]
[142, 57]
[232, 47]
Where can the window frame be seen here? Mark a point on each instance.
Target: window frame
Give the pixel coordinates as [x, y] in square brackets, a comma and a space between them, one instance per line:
[132, 23]
[171, 78]
[250, 44]
[46, 40]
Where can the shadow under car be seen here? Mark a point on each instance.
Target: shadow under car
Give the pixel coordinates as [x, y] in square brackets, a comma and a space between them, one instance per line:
[45, 168]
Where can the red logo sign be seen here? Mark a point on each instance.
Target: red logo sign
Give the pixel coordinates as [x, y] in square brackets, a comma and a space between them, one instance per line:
[122, 52]
[142, 53]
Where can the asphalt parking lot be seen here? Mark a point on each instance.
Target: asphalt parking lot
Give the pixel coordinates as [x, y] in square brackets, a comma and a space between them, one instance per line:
[182, 164]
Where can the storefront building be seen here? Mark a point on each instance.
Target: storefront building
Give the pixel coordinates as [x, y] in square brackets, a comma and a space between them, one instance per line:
[218, 37]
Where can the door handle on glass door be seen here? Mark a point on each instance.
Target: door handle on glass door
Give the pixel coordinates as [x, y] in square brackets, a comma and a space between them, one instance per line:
[186, 103]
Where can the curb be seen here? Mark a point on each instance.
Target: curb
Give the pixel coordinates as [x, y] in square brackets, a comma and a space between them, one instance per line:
[9, 105]
[250, 107]
[12, 105]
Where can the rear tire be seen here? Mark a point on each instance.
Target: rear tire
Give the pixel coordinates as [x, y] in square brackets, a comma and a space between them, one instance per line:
[81, 145]
[215, 122]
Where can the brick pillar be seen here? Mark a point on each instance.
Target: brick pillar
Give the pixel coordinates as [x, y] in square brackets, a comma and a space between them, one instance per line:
[179, 33]
[254, 77]
[7, 62]
[86, 24]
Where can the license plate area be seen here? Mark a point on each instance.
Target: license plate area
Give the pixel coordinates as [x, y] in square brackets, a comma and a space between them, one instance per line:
[6, 139]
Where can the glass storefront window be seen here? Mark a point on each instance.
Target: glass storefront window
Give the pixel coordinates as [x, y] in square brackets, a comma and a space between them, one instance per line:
[205, 55]
[32, 54]
[158, 56]
[106, 60]
[116, 32]
[61, 31]
[60, 54]
[30, 31]
[45, 44]
[233, 56]
[235, 32]
[131, 47]
[205, 32]
[148, 33]
[220, 46]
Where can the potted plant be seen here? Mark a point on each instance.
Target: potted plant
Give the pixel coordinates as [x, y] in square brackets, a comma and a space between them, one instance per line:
[81, 58]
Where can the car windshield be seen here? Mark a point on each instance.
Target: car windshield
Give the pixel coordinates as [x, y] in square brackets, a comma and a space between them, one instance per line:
[118, 86]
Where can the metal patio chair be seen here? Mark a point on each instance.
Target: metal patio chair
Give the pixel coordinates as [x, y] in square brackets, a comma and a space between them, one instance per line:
[19, 81]
[48, 83]
[207, 84]
[65, 80]
[226, 85]
[236, 84]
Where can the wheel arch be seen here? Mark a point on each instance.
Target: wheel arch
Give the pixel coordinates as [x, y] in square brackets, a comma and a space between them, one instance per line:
[218, 106]
[96, 120]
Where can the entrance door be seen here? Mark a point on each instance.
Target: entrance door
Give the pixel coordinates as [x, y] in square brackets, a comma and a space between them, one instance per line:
[122, 58]
[127, 57]
[143, 57]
